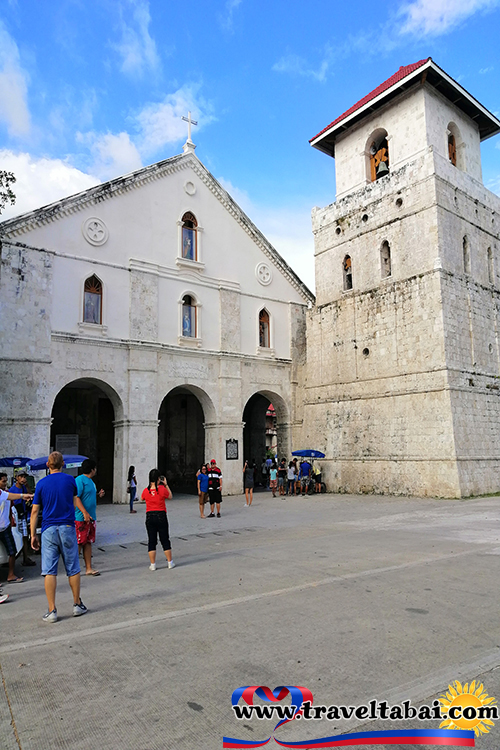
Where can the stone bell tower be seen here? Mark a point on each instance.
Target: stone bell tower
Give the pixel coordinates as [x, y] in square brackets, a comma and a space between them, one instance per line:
[403, 380]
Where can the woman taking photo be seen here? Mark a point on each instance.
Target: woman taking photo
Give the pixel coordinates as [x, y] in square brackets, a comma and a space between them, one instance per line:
[132, 487]
[202, 481]
[156, 518]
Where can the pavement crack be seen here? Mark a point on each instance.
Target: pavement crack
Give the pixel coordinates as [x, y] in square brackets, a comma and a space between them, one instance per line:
[12, 720]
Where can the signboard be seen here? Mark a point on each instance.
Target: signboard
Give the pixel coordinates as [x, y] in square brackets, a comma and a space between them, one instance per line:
[231, 450]
[67, 444]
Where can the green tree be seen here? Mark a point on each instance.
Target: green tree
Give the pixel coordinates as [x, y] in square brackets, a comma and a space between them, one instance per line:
[6, 193]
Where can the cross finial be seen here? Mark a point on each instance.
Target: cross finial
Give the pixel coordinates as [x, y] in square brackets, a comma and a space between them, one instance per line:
[189, 145]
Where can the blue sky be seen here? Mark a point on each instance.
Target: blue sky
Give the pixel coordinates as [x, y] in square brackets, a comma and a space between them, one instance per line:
[91, 89]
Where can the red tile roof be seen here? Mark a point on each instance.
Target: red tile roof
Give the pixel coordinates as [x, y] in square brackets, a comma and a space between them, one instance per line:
[404, 71]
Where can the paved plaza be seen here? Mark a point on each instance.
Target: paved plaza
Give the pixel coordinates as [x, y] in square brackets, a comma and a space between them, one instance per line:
[353, 597]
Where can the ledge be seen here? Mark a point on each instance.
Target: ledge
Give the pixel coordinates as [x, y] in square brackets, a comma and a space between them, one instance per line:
[190, 341]
[192, 265]
[92, 329]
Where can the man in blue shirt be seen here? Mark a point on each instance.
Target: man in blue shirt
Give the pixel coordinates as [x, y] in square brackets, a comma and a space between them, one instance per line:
[58, 494]
[85, 530]
[304, 475]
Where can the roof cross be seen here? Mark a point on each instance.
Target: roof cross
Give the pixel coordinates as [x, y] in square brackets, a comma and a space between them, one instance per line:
[189, 122]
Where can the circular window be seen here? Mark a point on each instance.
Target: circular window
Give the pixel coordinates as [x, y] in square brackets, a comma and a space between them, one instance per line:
[365, 217]
[264, 273]
[338, 230]
[399, 202]
[190, 187]
[95, 231]
[366, 352]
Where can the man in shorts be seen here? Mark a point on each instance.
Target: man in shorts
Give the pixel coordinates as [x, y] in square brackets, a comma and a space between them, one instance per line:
[85, 530]
[59, 496]
[6, 521]
[19, 488]
[214, 488]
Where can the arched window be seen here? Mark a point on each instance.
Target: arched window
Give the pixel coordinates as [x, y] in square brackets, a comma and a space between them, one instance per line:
[92, 301]
[347, 269]
[264, 337]
[189, 237]
[188, 316]
[378, 150]
[385, 260]
[466, 254]
[452, 149]
[456, 154]
[491, 267]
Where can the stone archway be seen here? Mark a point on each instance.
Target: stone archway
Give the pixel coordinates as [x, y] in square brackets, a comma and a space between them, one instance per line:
[83, 416]
[181, 436]
[266, 426]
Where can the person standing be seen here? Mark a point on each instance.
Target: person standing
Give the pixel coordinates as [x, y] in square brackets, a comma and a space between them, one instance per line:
[304, 475]
[132, 487]
[316, 472]
[248, 482]
[282, 476]
[19, 488]
[85, 530]
[156, 518]
[58, 494]
[214, 488]
[6, 523]
[273, 478]
[202, 481]
[291, 476]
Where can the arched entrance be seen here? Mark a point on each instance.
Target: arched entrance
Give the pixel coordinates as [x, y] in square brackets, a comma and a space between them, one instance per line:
[266, 427]
[181, 438]
[82, 422]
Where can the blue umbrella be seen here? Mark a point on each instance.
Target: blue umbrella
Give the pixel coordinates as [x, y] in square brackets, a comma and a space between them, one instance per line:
[70, 462]
[14, 461]
[308, 453]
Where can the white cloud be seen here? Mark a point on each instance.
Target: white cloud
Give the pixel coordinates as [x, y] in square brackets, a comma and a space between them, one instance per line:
[287, 229]
[299, 66]
[434, 17]
[227, 20]
[137, 47]
[41, 181]
[113, 154]
[13, 87]
[486, 70]
[161, 124]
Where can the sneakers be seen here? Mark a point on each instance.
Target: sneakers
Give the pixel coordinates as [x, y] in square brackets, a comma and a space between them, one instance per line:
[152, 566]
[79, 609]
[50, 616]
[171, 564]
[211, 515]
[218, 515]
[3, 598]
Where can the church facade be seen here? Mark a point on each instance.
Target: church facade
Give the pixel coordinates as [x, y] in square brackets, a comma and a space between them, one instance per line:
[148, 322]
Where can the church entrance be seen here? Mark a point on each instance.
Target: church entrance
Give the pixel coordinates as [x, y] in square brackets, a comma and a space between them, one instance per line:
[264, 435]
[82, 423]
[181, 439]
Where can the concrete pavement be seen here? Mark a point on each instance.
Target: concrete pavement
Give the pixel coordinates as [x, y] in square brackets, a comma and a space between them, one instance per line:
[352, 597]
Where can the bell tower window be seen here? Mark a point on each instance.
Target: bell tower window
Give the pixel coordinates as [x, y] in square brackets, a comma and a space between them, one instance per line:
[264, 339]
[188, 317]
[347, 269]
[378, 150]
[385, 260]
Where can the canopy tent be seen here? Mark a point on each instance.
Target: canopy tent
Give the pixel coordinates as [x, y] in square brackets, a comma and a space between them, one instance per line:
[16, 461]
[308, 453]
[70, 462]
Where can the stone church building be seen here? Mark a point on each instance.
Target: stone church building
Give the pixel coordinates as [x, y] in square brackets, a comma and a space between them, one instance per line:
[147, 321]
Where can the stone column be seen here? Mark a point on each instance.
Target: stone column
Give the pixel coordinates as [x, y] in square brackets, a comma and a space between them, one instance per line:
[284, 440]
[216, 435]
[136, 444]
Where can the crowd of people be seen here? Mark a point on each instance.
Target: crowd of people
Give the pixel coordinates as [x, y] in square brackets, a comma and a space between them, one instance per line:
[65, 509]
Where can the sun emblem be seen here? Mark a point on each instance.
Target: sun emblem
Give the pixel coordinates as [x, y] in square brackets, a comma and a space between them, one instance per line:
[467, 707]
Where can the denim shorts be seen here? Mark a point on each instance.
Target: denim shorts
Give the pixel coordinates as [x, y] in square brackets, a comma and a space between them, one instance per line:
[60, 541]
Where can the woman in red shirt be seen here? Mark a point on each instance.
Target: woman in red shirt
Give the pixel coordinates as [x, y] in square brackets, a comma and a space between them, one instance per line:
[156, 518]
